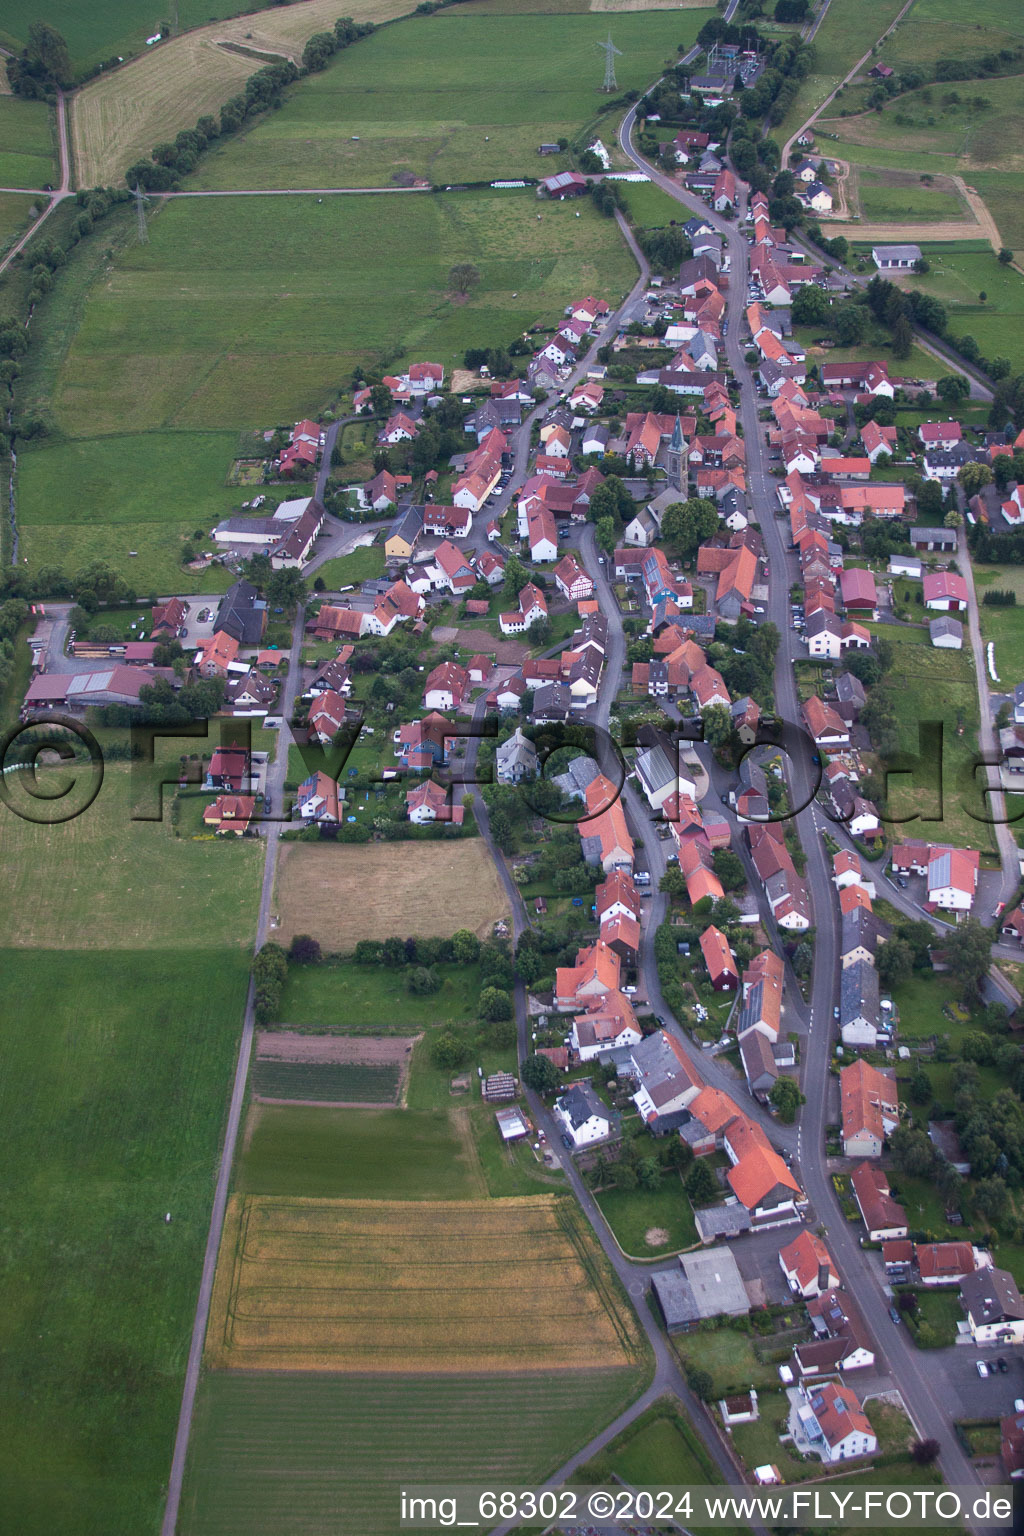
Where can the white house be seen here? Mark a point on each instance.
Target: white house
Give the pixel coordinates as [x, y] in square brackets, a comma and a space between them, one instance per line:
[808, 1266]
[582, 1116]
[832, 1424]
[992, 1302]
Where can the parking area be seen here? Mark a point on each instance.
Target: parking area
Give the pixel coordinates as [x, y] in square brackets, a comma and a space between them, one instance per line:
[977, 1397]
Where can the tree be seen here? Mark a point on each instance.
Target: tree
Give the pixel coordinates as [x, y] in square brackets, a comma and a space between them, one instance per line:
[787, 1098]
[912, 1152]
[849, 325]
[495, 1004]
[924, 1452]
[902, 337]
[894, 961]
[541, 1074]
[952, 519]
[969, 950]
[992, 1198]
[701, 1383]
[920, 1083]
[700, 1183]
[465, 947]
[381, 399]
[392, 952]
[810, 306]
[47, 48]
[448, 1050]
[717, 725]
[516, 577]
[463, 277]
[304, 950]
[605, 534]
[1005, 255]
[686, 525]
[972, 476]
[953, 388]
[423, 980]
[729, 868]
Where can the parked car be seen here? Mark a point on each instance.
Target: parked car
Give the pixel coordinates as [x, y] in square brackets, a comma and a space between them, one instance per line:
[981, 1368]
[894, 1315]
[566, 1139]
[1001, 1362]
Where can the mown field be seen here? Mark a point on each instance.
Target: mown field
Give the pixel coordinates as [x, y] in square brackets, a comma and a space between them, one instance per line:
[14, 215]
[26, 144]
[116, 1069]
[208, 328]
[121, 115]
[435, 97]
[120, 884]
[375, 1000]
[280, 1455]
[1004, 626]
[960, 126]
[342, 893]
[333, 1154]
[394, 1287]
[884, 194]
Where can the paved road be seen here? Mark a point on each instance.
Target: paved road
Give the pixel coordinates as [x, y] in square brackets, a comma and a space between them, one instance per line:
[919, 1380]
[275, 785]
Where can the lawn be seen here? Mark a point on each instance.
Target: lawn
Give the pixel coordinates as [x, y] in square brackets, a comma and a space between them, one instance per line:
[658, 1450]
[117, 1065]
[363, 564]
[937, 686]
[648, 205]
[26, 144]
[941, 1310]
[279, 1455]
[920, 1000]
[1004, 626]
[346, 998]
[918, 365]
[730, 1357]
[434, 98]
[633, 1213]
[359, 1154]
[120, 884]
[396, 1286]
[340, 893]
[758, 1443]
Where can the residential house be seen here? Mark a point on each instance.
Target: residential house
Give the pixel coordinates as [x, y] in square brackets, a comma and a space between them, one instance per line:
[860, 1014]
[833, 1424]
[595, 973]
[429, 802]
[318, 799]
[572, 581]
[883, 1216]
[841, 1341]
[993, 1305]
[808, 1266]
[230, 814]
[446, 686]
[516, 759]
[869, 1103]
[582, 1116]
[666, 1083]
[718, 957]
[608, 1024]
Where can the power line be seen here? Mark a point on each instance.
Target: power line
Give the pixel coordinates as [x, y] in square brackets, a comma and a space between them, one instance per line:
[140, 209]
[609, 50]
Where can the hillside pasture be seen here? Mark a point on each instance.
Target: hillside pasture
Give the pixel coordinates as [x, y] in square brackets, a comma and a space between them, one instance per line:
[99, 498]
[280, 1455]
[345, 892]
[26, 143]
[958, 278]
[848, 31]
[117, 1064]
[940, 29]
[381, 1286]
[119, 116]
[959, 126]
[434, 98]
[888, 194]
[211, 319]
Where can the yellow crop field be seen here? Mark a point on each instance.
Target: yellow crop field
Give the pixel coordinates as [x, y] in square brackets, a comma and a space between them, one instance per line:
[439, 1286]
[117, 118]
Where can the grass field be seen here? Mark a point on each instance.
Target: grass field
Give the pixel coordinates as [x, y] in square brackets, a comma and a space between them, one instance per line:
[648, 205]
[434, 97]
[121, 115]
[1003, 625]
[279, 1455]
[919, 365]
[100, 497]
[936, 29]
[346, 892]
[633, 1213]
[958, 277]
[117, 1064]
[661, 1454]
[364, 564]
[931, 685]
[894, 195]
[979, 129]
[375, 1000]
[14, 216]
[114, 883]
[26, 144]
[414, 1286]
[334, 1154]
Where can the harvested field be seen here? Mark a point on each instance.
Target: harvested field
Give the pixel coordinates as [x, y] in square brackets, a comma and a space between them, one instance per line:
[343, 893]
[440, 1286]
[121, 115]
[329, 1070]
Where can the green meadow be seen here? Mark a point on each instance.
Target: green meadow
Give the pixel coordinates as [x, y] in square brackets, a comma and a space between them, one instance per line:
[435, 97]
[26, 143]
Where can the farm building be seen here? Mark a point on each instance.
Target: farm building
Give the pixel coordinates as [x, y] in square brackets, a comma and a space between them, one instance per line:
[895, 258]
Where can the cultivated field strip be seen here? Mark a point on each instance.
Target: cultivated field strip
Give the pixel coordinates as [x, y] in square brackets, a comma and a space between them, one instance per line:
[348, 1285]
[325, 1083]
